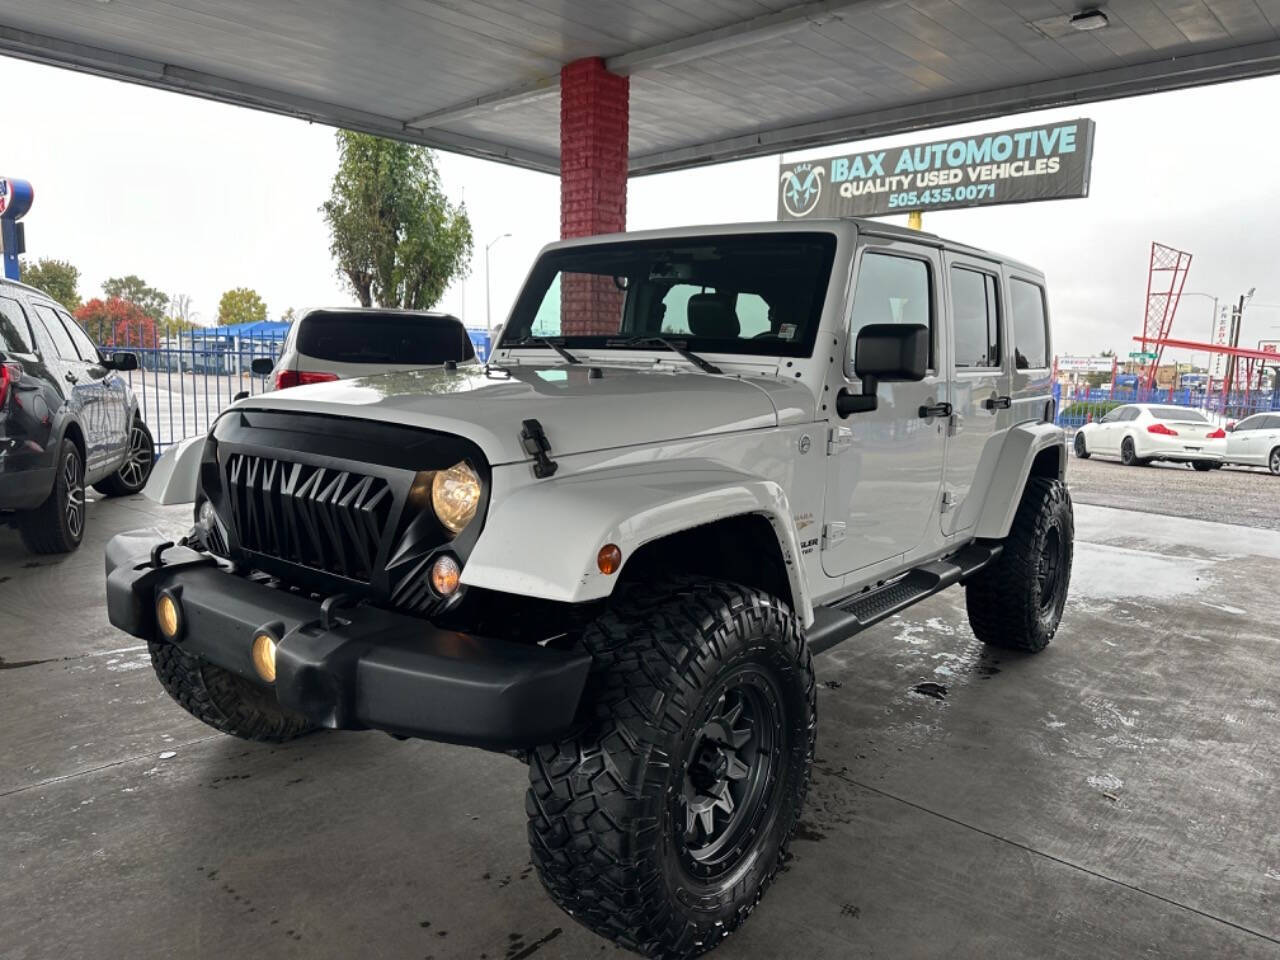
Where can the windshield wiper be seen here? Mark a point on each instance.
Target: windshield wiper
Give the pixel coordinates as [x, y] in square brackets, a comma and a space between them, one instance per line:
[675, 346]
[545, 342]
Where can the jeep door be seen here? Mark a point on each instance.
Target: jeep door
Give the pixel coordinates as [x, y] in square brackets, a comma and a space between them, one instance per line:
[884, 468]
[1030, 345]
[979, 389]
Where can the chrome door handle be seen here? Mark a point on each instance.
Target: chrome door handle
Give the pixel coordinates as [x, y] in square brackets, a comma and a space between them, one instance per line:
[998, 403]
[936, 410]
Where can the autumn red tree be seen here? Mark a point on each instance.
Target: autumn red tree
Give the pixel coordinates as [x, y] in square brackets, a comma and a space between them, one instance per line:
[119, 323]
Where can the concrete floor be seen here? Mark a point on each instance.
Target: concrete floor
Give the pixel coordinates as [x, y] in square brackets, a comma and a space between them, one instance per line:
[1116, 796]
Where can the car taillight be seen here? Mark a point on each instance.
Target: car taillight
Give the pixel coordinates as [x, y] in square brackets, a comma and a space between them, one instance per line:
[10, 372]
[1161, 429]
[296, 378]
[1218, 434]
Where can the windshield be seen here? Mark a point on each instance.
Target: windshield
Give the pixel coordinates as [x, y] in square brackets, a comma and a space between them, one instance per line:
[383, 337]
[1185, 414]
[758, 294]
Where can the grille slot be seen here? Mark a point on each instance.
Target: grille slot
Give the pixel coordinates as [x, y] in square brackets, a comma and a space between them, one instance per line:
[326, 519]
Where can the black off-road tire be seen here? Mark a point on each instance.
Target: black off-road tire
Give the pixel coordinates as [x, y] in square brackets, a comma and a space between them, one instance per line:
[1202, 466]
[57, 525]
[225, 701]
[136, 469]
[607, 822]
[1081, 451]
[1017, 602]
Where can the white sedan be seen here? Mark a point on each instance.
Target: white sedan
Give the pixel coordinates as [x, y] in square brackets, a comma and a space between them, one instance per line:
[1138, 433]
[1255, 442]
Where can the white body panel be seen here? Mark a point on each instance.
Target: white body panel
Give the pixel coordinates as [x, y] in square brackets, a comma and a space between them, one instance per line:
[1255, 440]
[653, 446]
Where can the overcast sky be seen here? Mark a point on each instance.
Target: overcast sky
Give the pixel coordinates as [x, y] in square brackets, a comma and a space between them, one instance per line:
[197, 197]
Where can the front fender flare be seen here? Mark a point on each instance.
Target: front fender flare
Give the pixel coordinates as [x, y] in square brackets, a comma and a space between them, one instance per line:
[176, 473]
[542, 539]
[1022, 444]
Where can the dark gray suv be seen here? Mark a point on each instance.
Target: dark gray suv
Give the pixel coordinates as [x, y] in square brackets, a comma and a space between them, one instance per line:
[67, 420]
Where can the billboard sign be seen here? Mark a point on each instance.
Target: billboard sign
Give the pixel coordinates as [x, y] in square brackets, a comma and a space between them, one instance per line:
[1085, 364]
[1047, 162]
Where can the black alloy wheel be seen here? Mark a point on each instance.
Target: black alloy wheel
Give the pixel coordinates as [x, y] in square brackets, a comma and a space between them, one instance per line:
[731, 774]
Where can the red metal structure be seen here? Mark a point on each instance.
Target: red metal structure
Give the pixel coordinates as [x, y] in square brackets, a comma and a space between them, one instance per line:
[1167, 264]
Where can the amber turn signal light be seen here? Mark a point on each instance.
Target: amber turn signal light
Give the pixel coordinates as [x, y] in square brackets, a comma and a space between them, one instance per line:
[168, 618]
[609, 559]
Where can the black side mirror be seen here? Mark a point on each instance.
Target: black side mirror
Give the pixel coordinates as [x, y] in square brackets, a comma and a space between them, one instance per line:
[262, 365]
[892, 352]
[123, 361]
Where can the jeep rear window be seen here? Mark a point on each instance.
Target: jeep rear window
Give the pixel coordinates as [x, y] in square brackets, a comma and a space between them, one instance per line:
[756, 294]
[354, 337]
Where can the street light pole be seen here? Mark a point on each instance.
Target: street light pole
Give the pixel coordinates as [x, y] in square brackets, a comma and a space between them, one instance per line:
[1213, 319]
[488, 317]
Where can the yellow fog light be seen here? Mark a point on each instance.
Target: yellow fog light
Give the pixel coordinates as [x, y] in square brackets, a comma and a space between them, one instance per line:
[445, 574]
[455, 496]
[168, 619]
[264, 656]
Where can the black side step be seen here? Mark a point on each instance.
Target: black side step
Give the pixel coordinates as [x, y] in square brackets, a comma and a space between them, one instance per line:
[844, 618]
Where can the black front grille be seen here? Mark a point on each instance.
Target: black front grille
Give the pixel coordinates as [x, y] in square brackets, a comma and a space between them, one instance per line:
[323, 518]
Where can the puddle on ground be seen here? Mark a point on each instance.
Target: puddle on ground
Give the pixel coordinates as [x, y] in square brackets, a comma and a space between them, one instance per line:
[1104, 572]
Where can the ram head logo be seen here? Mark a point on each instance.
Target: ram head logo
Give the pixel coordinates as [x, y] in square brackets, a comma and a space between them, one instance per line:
[802, 188]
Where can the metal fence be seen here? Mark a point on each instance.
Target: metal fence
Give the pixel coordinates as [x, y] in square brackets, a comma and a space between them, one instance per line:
[1078, 406]
[183, 382]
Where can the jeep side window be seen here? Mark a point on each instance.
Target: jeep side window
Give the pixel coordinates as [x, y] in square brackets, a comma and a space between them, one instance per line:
[1030, 325]
[15, 331]
[976, 316]
[891, 289]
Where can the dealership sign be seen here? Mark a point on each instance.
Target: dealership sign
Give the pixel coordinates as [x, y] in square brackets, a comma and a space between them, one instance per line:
[1085, 364]
[1049, 162]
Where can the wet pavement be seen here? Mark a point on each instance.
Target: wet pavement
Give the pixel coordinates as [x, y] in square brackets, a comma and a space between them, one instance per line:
[1115, 796]
[1247, 496]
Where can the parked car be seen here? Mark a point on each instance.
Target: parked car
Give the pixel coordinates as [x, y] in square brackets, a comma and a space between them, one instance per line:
[1255, 442]
[67, 419]
[356, 342]
[697, 457]
[1139, 433]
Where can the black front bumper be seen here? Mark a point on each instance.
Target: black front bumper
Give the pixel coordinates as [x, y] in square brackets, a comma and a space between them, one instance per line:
[358, 667]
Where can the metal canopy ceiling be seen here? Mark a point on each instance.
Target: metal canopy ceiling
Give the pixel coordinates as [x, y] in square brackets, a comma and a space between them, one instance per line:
[711, 80]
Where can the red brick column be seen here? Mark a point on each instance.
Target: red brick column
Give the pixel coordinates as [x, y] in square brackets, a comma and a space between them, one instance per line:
[593, 184]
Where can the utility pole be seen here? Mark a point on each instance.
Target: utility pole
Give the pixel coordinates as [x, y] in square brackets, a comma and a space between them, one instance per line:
[488, 318]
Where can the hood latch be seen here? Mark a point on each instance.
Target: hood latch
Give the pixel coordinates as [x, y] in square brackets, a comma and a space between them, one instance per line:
[536, 444]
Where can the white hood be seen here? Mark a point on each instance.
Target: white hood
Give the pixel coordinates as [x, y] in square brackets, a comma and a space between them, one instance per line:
[623, 407]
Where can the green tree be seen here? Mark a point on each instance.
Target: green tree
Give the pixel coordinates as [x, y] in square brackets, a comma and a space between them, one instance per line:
[395, 236]
[241, 305]
[58, 278]
[133, 289]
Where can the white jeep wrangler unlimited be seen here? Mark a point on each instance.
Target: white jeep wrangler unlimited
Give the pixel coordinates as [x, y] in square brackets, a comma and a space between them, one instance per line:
[697, 458]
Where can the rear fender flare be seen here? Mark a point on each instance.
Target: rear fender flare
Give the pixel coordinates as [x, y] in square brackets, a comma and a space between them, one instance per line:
[542, 539]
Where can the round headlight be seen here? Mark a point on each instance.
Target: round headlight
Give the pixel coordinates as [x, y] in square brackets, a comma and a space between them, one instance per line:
[455, 495]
